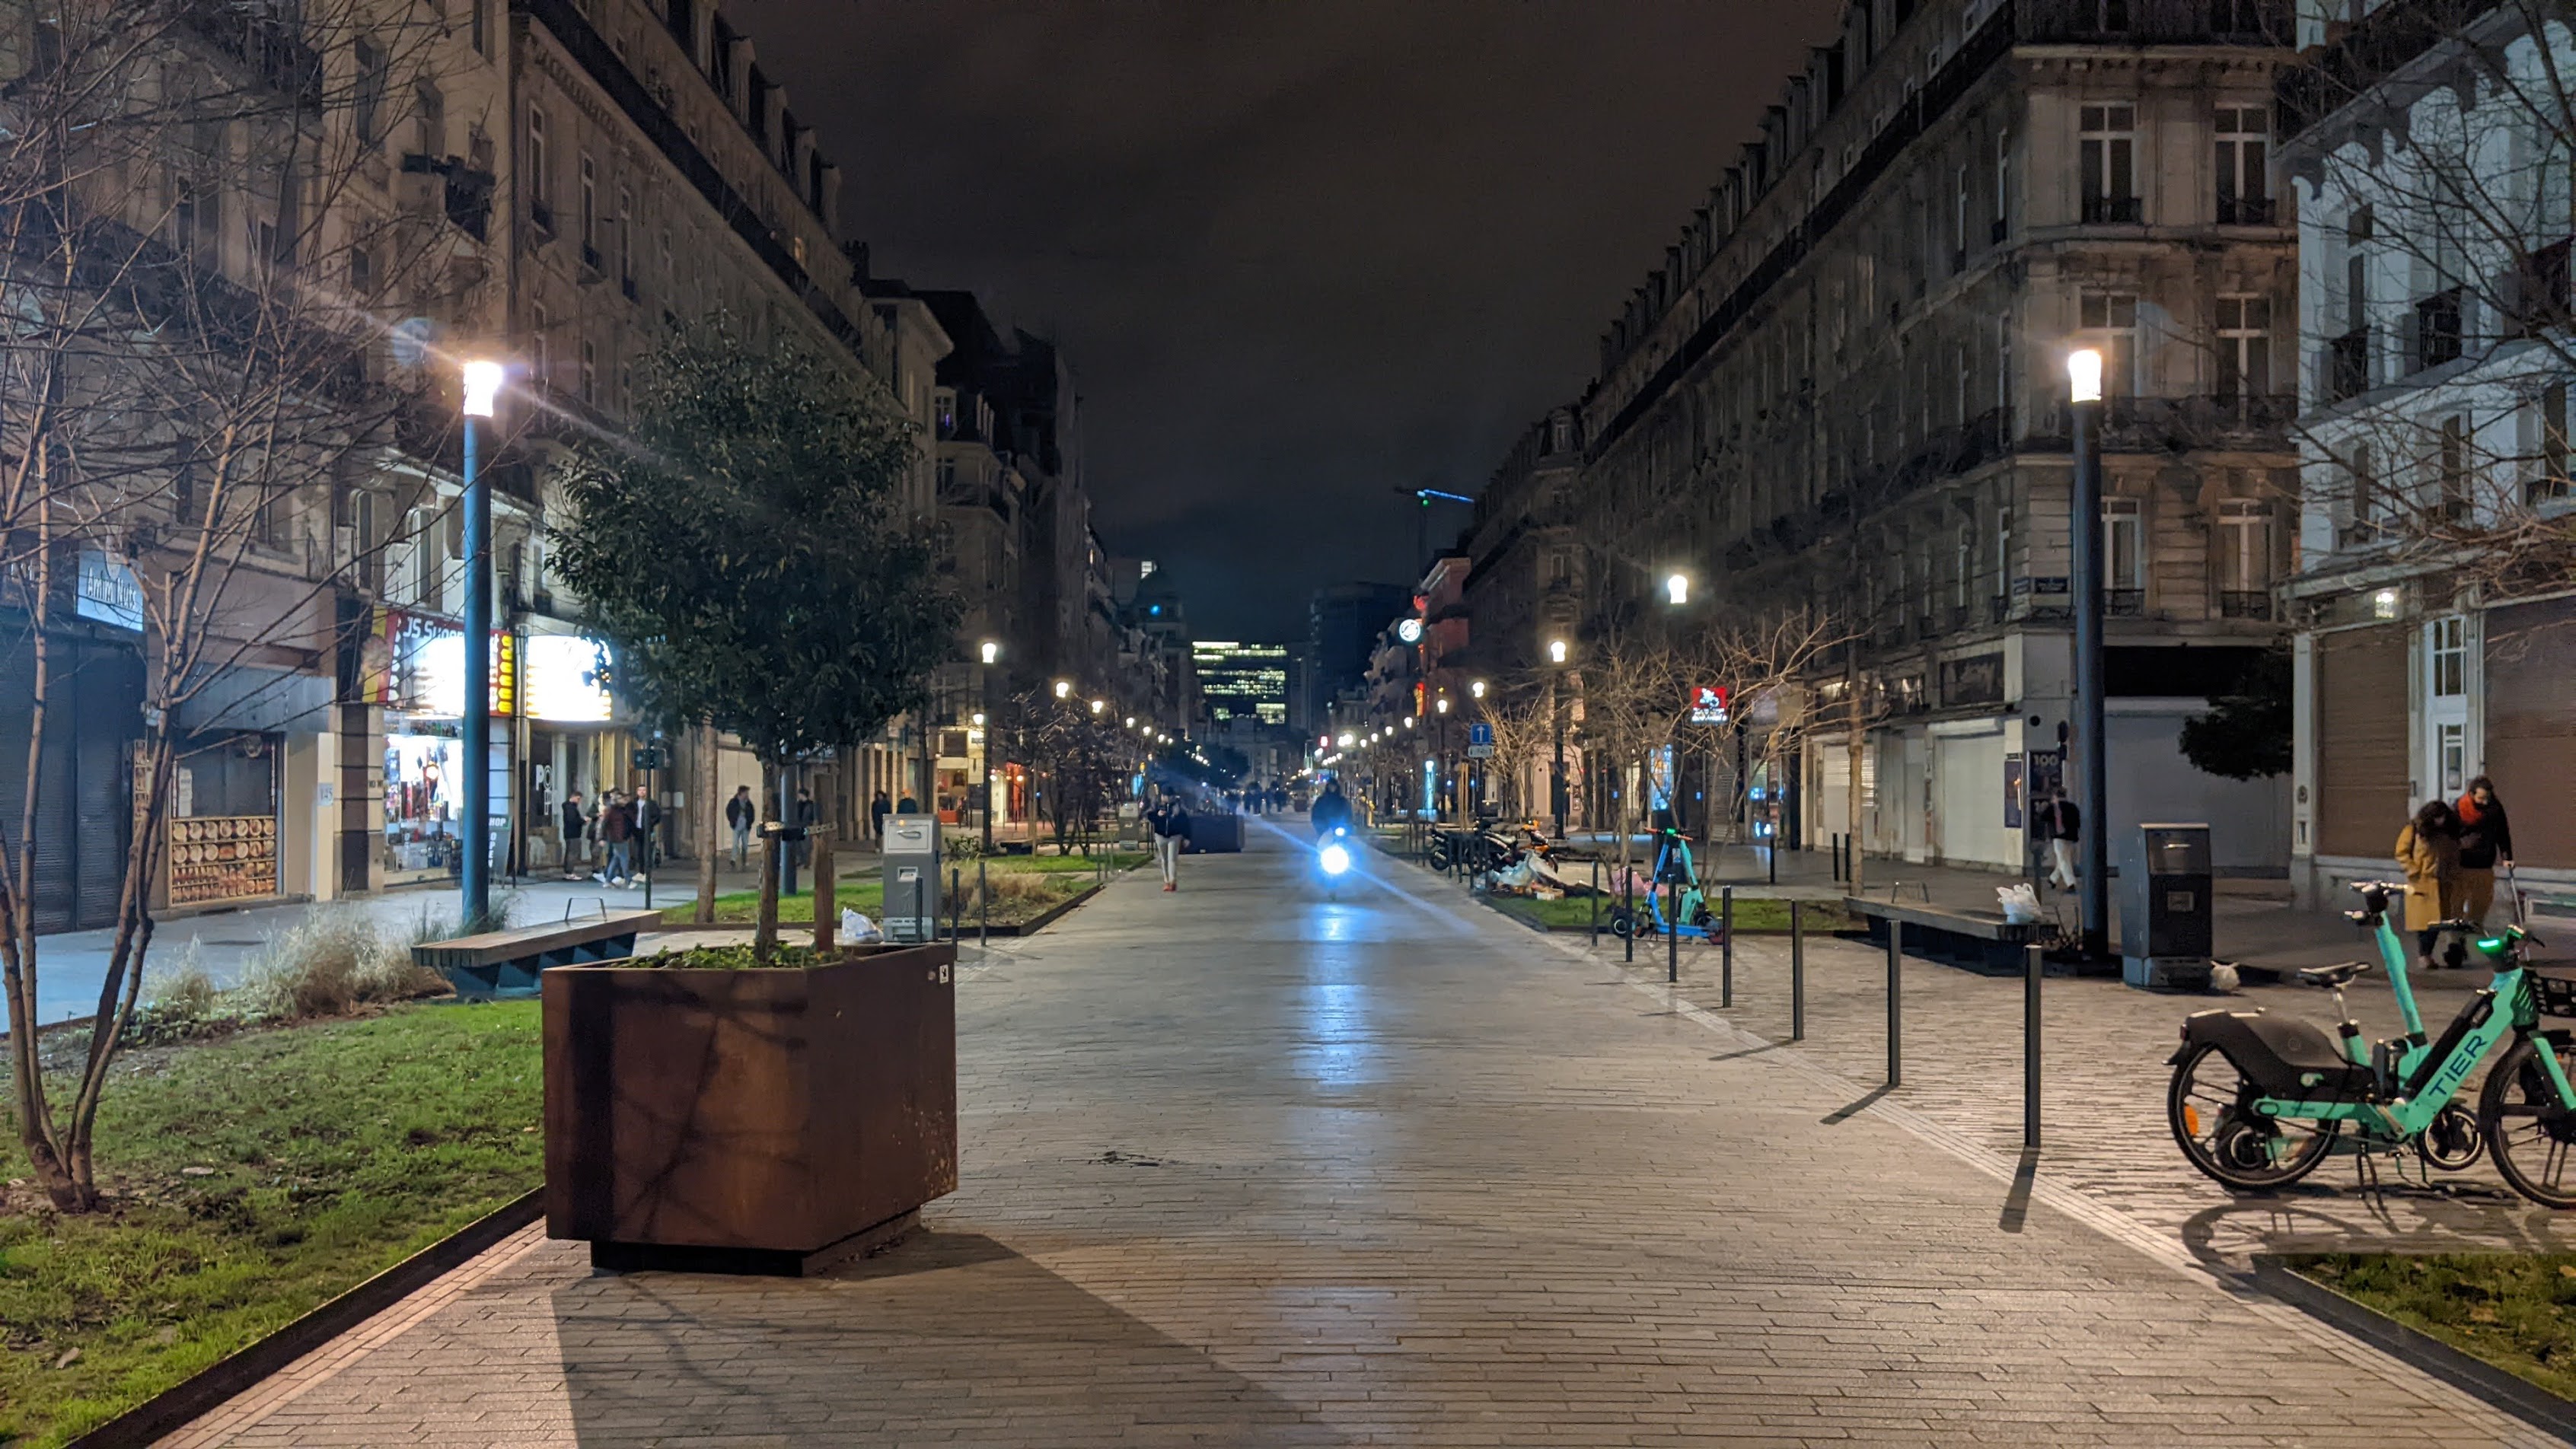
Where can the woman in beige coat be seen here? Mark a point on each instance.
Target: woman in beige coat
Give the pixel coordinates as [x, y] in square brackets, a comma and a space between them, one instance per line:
[2429, 851]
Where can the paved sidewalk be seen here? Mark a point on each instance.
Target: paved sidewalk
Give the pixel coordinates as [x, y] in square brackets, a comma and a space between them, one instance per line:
[1245, 1166]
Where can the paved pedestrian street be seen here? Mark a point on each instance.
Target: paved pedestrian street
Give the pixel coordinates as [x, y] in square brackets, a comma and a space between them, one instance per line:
[1247, 1166]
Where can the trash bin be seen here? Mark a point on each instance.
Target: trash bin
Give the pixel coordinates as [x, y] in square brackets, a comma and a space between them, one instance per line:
[2165, 931]
[1215, 831]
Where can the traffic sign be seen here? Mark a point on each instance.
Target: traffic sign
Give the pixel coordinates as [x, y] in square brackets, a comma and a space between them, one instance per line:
[1480, 752]
[1480, 733]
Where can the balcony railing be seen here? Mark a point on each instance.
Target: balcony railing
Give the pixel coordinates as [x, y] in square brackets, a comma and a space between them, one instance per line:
[262, 40]
[2246, 211]
[2113, 210]
[2245, 603]
[2183, 22]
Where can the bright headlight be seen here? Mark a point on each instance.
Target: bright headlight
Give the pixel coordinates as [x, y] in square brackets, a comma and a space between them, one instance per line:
[1335, 859]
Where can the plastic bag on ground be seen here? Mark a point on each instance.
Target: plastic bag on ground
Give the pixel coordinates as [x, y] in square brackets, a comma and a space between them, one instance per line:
[858, 929]
[2020, 904]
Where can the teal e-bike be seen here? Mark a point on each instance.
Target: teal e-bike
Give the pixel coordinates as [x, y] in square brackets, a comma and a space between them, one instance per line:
[2258, 1100]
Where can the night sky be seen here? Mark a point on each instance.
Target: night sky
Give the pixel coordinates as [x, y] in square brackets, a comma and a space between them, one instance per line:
[1300, 254]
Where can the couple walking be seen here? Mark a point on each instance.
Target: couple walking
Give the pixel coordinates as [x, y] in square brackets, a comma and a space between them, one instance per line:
[2451, 852]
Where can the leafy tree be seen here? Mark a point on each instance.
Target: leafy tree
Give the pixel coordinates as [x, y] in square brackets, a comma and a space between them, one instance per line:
[744, 554]
[2246, 733]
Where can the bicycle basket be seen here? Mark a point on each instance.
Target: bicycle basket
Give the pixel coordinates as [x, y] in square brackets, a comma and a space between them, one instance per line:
[2553, 995]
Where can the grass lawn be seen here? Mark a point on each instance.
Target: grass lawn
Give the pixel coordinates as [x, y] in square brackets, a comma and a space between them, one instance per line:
[1753, 916]
[254, 1177]
[2517, 1311]
[1056, 878]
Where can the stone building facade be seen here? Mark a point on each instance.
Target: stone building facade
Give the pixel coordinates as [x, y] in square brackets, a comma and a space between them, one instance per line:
[1844, 388]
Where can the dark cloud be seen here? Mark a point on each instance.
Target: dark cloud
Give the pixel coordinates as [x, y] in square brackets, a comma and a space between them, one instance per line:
[1300, 254]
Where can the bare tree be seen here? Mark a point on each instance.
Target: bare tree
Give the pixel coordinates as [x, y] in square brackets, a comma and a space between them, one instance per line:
[186, 398]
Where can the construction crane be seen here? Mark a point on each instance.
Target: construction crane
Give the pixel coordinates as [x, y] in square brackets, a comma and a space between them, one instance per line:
[1422, 517]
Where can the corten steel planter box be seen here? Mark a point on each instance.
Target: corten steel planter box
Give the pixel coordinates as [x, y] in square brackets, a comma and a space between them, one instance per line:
[767, 1121]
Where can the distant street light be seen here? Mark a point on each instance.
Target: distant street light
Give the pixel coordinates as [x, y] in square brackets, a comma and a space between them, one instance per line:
[991, 651]
[1098, 705]
[1063, 687]
[1556, 721]
[1556, 651]
[1441, 704]
[482, 390]
[1677, 589]
[1477, 689]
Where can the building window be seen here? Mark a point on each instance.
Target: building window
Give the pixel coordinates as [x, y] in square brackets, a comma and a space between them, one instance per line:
[2244, 548]
[540, 187]
[1963, 564]
[2552, 482]
[2446, 657]
[539, 359]
[2110, 320]
[2244, 151]
[479, 20]
[589, 213]
[620, 225]
[2124, 553]
[2438, 327]
[2451, 469]
[589, 371]
[2108, 147]
[367, 99]
[944, 409]
[2003, 165]
[2244, 347]
[2003, 552]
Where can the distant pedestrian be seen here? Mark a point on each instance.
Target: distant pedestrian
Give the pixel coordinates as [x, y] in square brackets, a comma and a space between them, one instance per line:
[646, 818]
[741, 813]
[1170, 822]
[806, 815]
[2486, 843]
[575, 829]
[877, 809]
[907, 806]
[617, 833]
[2062, 821]
[2428, 849]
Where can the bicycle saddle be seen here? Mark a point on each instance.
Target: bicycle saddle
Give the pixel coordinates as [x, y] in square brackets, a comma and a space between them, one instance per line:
[2338, 974]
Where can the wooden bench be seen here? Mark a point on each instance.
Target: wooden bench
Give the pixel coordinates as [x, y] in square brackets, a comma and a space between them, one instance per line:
[1980, 941]
[502, 965]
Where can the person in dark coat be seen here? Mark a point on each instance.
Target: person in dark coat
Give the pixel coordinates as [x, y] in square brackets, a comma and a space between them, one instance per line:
[741, 813]
[877, 809]
[575, 826]
[2061, 823]
[2486, 842]
[617, 832]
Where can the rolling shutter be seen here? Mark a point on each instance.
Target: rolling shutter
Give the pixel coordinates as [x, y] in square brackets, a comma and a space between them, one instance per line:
[2531, 724]
[107, 719]
[2361, 710]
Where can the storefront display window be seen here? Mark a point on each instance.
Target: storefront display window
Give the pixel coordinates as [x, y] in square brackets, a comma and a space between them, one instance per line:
[422, 804]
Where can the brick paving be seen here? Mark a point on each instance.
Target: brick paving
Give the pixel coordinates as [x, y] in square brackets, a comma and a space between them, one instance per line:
[1250, 1168]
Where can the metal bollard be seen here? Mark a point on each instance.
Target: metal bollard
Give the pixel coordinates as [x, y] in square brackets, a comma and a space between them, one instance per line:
[1895, 1001]
[1797, 973]
[1628, 903]
[1726, 946]
[983, 907]
[956, 905]
[2034, 967]
[1596, 902]
[1672, 932]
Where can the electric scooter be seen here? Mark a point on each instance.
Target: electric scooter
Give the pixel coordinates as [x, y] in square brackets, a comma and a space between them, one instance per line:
[1672, 867]
[2259, 1100]
[1333, 858]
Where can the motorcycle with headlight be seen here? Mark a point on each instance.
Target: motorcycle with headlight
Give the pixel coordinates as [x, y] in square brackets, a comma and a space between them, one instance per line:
[1333, 857]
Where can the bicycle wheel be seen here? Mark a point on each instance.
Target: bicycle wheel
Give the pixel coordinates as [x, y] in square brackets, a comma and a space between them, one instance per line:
[2532, 1136]
[1622, 924]
[2207, 1110]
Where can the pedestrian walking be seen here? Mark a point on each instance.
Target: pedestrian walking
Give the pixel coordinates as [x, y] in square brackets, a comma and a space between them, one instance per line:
[2428, 849]
[806, 815]
[2063, 822]
[1170, 822]
[646, 813]
[617, 832]
[2486, 842]
[575, 828]
[877, 809]
[741, 813]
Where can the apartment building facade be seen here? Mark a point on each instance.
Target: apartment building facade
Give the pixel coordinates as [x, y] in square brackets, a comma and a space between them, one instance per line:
[1845, 390]
[2435, 609]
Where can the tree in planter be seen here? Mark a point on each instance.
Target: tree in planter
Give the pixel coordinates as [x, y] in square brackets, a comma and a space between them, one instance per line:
[743, 555]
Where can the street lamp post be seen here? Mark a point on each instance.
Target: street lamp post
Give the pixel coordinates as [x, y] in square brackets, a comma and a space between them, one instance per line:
[482, 389]
[1556, 723]
[2084, 381]
[990, 651]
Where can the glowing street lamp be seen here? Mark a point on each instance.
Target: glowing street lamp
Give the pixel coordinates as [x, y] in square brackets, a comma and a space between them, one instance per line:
[1477, 689]
[2092, 777]
[991, 651]
[482, 381]
[1063, 688]
[1677, 589]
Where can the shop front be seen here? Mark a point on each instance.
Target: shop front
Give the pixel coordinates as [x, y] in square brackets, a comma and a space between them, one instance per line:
[422, 689]
[574, 745]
